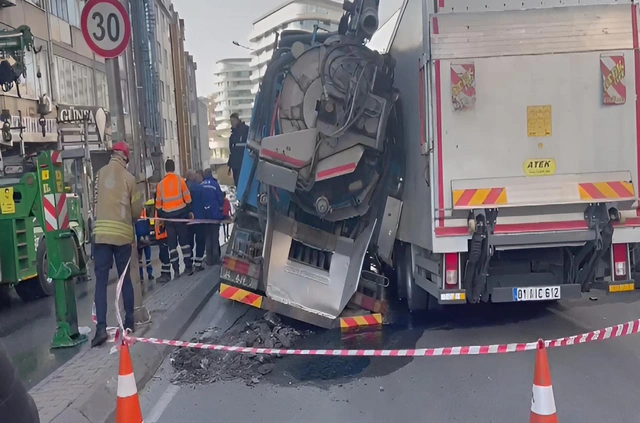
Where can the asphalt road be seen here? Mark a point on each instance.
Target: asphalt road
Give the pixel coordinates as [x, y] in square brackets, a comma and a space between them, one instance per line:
[27, 329]
[592, 383]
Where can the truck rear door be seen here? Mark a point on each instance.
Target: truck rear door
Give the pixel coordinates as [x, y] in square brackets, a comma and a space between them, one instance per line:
[535, 112]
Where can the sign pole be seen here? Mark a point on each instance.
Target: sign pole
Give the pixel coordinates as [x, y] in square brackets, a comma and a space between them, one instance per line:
[116, 103]
[107, 30]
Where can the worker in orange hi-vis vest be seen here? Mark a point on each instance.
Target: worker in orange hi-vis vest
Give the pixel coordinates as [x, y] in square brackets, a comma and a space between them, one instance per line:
[143, 230]
[173, 201]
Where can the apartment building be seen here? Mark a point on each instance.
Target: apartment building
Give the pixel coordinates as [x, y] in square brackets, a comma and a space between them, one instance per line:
[305, 15]
[61, 68]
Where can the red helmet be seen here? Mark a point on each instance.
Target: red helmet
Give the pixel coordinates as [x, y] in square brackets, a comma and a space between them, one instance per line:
[123, 147]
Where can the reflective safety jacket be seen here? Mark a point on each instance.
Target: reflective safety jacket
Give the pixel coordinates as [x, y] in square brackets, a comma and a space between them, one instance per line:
[118, 204]
[161, 232]
[173, 199]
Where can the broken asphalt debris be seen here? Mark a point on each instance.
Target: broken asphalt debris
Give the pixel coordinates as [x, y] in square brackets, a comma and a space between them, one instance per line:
[198, 367]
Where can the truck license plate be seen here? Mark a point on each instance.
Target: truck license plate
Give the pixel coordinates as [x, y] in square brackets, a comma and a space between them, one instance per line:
[238, 279]
[537, 293]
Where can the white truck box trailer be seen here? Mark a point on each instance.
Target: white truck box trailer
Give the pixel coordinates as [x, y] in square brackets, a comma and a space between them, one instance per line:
[522, 139]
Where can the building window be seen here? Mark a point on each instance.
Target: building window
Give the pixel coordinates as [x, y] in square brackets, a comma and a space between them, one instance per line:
[169, 94]
[166, 59]
[32, 86]
[159, 50]
[162, 91]
[74, 83]
[60, 8]
[36, 2]
[72, 7]
[165, 128]
[103, 89]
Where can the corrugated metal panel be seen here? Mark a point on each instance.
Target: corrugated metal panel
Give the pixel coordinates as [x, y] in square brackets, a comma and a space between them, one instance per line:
[462, 6]
[542, 31]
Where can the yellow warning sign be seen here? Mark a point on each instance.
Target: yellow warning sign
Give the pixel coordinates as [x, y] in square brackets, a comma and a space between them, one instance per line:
[539, 167]
[45, 175]
[7, 205]
[58, 180]
[538, 121]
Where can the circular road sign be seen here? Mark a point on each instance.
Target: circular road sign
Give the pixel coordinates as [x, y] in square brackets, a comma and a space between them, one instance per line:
[106, 27]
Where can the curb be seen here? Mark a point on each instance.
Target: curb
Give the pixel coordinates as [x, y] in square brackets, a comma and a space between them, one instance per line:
[98, 404]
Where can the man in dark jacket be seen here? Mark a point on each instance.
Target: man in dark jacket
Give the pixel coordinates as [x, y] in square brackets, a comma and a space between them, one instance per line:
[237, 145]
[197, 231]
[16, 405]
[214, 202]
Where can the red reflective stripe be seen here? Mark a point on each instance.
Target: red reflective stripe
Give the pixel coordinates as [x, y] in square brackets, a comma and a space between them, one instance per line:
[636, 57]
[466, 197]
[439, 141]
[620, 189]
[340, 170]
[493, 196]
[592, 191]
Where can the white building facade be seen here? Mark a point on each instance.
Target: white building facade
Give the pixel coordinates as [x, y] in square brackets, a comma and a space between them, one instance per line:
[303, 15]
[232, 91]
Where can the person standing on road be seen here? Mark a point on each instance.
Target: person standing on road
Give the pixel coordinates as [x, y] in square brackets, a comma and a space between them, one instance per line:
[143, 229]
[162, 239]
[117, 207]
[173, 201]
[214, 201]
[226, 213]
[237, 145]
[197, 231]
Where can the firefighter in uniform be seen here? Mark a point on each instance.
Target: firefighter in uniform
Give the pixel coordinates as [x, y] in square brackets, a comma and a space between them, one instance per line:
[173, 201]
[117, 208]
[161, 237]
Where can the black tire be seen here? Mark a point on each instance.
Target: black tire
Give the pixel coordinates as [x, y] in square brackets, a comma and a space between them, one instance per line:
[40, 286]
[417, 298]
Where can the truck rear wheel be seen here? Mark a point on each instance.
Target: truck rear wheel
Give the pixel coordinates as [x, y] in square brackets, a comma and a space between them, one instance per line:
[40, 286]
[417, 298]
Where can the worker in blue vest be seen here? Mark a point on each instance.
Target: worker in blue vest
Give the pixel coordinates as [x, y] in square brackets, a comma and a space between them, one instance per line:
[143, 240]
[197, 231]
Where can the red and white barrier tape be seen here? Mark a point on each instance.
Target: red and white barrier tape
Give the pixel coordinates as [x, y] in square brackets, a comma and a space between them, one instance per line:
[112, 332]
[626, 329]
[189, 221]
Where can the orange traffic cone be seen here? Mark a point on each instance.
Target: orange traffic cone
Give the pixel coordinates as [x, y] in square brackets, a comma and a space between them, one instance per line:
[127, 404]
[543, 405]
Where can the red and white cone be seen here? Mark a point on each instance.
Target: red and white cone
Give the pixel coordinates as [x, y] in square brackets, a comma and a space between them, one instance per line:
[127, 404]
[543, 404]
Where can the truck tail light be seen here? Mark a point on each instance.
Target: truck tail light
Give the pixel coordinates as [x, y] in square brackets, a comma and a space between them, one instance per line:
[241, 267]
[451, 270]
[620, 261]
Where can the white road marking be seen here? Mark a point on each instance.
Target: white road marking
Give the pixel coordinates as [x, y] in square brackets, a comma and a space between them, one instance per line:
[162, 403]
[172, 390]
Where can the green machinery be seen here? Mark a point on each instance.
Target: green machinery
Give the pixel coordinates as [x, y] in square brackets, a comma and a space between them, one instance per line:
[39, 200]
[13, 45]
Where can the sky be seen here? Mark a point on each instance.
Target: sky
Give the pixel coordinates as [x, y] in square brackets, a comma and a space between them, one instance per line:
[212, 26]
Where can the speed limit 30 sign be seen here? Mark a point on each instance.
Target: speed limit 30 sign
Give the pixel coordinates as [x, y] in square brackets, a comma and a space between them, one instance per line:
[106, 27]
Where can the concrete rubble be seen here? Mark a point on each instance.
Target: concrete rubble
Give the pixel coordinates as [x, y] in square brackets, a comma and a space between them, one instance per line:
[197, 366]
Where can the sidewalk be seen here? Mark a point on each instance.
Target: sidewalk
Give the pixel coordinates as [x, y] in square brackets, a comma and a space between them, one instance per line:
[84, 389]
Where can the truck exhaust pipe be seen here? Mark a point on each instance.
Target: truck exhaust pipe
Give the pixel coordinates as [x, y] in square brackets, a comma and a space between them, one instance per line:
[369, 21]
